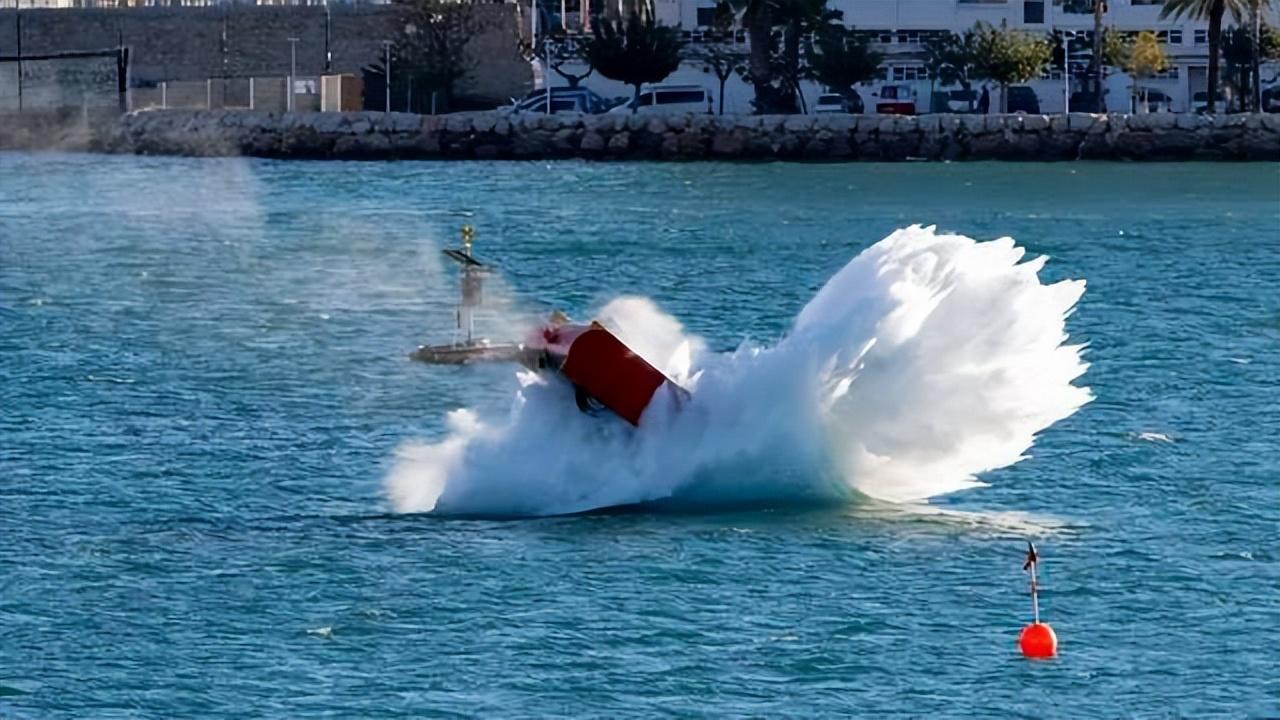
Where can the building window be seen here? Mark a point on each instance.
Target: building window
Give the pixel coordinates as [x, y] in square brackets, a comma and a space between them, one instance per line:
[1033, 12]
[908, 37]
[1169, 73]
[909, 72]
[706, 16]
[1201, 37]
[1169, 37]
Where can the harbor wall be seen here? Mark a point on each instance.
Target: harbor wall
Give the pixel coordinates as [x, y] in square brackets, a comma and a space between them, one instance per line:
[239, 41]
[496, 135]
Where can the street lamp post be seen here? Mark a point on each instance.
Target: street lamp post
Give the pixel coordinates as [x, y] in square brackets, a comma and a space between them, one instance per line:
[546, 50]
[1066, 71]
[293, 73]
[328, 39]
[1067, 37]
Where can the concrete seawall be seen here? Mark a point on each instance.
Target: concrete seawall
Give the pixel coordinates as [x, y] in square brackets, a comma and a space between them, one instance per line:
[495, 135]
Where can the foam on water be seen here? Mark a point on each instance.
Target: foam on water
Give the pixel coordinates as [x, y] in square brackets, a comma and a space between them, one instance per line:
[925, 361]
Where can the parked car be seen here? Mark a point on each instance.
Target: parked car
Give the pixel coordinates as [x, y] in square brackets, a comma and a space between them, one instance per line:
[895, 100]
[658, 99]
[563, 99]
[1271, 99]
[1085, 101]
[1156, 100]
[837, 103]
[1022, 99]
[1200, 102]
[955, 101]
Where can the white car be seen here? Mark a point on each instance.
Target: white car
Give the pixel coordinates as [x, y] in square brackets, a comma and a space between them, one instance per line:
[661, 99]
[837, 103]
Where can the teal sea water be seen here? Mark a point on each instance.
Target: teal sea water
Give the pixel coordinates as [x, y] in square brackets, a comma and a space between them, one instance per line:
[204, 383]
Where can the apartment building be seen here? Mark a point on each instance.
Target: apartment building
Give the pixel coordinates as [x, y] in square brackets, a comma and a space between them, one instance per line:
[900, 28]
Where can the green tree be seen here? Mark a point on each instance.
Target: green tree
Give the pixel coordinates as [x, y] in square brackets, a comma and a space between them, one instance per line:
[1143, 58]
[1243, 50]
[757, 17]
[776, 32]
[1097, 58]
[799, 19]
[1212, 10]
[722, 59]
[840, 59]
[1008, 57]
[949, 58]
[428, 54]
[1237, 58]
[1259, 38]
[635, 51]
[558, 50]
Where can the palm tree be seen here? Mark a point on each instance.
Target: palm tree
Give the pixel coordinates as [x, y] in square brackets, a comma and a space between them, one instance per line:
[1255, 26]
[1200, 10]
[635, 51]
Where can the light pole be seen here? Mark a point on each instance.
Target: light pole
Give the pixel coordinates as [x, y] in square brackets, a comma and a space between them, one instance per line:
[386, 44]
[17, 20]
[293, 73]
[546, 57]
[1067, 37]
[328, 39]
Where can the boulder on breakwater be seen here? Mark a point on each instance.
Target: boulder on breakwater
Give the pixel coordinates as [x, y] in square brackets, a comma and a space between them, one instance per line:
[831, 138]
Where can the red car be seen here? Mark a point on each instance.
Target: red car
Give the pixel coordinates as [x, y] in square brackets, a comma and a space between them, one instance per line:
[896, 100]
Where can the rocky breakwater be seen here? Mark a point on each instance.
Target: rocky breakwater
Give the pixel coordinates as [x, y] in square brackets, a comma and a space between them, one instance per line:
[497, 135]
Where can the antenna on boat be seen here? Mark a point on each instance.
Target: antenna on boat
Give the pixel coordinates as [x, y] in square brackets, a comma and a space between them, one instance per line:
[470, 281]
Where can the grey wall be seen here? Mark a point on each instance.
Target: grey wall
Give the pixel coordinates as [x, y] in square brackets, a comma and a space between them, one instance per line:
[186, 43]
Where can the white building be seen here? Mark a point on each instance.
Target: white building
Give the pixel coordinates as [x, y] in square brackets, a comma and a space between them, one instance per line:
[902, 26]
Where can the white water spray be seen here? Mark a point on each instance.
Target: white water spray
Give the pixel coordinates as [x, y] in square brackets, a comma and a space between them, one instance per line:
[925, 361]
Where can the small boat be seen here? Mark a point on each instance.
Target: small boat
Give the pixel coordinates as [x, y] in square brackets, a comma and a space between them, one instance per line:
[466, 353]
[606, 375]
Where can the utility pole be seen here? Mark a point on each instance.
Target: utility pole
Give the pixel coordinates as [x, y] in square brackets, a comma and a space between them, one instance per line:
[386, 44]
[293, 73]
[17, 16]
[546, 50]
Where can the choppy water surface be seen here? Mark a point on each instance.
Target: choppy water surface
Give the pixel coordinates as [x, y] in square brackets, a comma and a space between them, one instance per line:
[203, 386]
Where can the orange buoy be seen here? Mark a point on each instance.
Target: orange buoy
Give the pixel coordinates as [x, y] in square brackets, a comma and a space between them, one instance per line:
[1037, 640]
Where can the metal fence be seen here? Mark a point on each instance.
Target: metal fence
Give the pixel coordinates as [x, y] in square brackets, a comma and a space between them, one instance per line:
[94, 79]
[230, 93]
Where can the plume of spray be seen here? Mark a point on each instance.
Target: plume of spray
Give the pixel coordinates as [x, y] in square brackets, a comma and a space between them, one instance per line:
[926, 361]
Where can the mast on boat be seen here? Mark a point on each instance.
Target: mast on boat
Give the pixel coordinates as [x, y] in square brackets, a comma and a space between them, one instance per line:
[470, 282]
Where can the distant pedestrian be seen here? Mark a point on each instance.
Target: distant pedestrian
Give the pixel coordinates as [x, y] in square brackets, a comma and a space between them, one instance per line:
[984, 102]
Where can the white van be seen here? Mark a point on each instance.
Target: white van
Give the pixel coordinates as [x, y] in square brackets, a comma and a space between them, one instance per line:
[668, 99]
